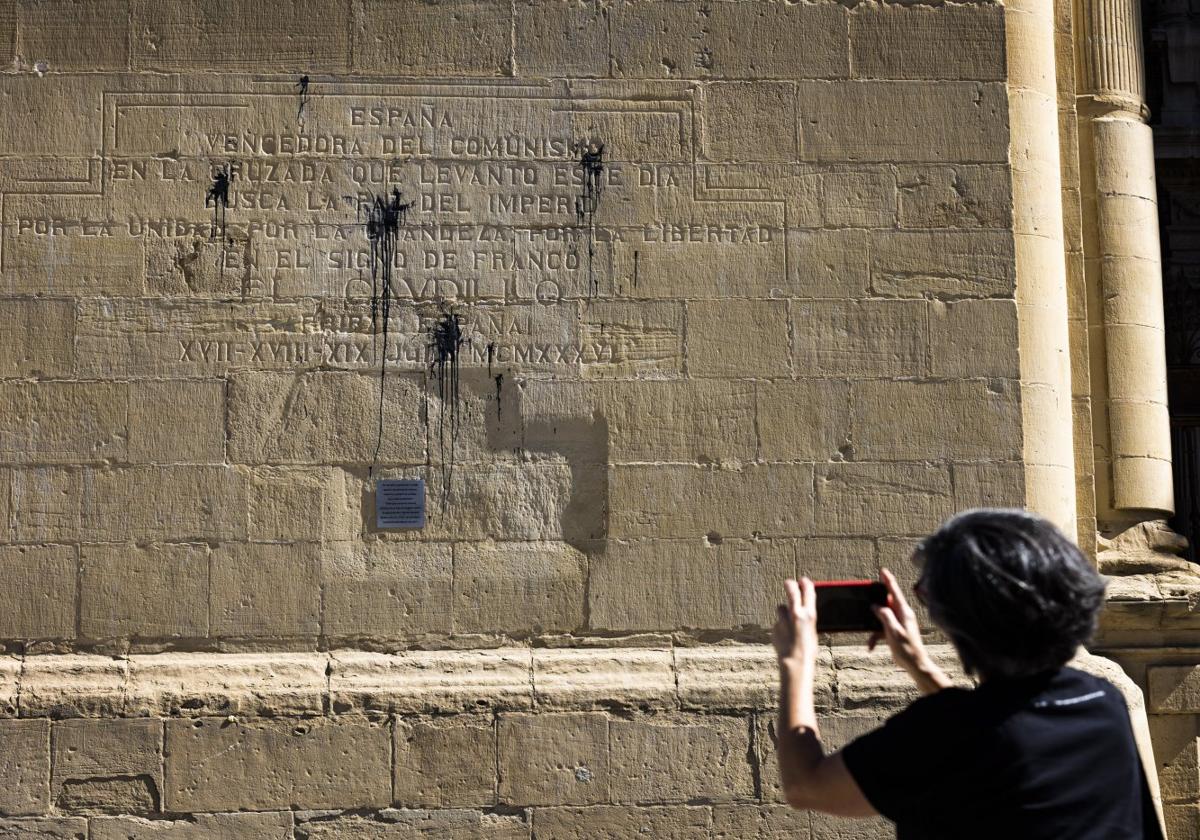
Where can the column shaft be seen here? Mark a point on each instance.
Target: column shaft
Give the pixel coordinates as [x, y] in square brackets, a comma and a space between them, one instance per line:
[1123, 269]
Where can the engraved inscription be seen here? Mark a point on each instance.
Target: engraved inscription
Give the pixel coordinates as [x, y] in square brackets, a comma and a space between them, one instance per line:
[523, 204]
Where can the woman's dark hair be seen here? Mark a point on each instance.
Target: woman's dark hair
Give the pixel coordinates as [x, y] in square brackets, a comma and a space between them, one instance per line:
[1015, 596]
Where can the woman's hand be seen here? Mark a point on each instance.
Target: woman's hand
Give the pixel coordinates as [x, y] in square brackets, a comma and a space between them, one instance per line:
[903, 637]
[795, 631]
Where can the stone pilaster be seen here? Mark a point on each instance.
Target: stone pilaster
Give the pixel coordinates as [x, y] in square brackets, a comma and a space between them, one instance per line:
[1041, 266]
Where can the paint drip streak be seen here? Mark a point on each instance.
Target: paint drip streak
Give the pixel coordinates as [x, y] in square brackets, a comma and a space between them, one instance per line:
[445, 344]
[218, 197]
[384, 219]
[302, 85]
[592, 161]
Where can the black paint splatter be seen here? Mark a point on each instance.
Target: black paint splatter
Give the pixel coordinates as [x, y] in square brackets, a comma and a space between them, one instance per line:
[303, 86]
[499, 377]
[592, 162]
[218, 197]
[446, 341]
[384, 219]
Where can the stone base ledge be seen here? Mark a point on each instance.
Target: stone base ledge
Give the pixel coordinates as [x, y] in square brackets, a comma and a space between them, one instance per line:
[710, 677]
[509, 743]
[1151, 610]
[1173, 689]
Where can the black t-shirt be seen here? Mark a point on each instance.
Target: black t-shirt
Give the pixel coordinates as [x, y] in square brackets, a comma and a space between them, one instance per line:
[1050, 756]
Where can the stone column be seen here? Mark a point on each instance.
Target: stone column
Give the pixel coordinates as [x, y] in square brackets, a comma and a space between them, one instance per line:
[1041, 266]
[1123, 279]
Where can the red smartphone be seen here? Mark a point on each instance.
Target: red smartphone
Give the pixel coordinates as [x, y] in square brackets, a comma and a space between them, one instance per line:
[844, 606]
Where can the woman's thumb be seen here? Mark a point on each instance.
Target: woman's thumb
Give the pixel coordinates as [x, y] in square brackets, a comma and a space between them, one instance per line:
[891, 625]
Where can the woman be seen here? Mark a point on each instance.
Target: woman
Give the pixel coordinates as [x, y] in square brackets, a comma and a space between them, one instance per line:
[1035, 750]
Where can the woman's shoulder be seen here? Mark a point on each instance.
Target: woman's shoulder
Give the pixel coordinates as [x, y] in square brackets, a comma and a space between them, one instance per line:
[1061, 694]
[991, 703]
[941, 706]
[1067, 674]
[1079, 688]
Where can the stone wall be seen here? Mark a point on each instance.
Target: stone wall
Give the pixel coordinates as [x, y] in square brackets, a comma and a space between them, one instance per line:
[502, 743]
[665, 302]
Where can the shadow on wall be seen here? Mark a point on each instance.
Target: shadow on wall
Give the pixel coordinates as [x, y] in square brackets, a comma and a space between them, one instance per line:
[584, 443]
[495, 402]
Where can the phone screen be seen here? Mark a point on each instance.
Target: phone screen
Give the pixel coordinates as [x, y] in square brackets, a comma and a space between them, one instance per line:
[845, 606]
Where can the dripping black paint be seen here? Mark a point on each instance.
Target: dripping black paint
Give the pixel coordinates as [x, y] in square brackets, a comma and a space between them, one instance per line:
[498, 378]
[384, 218]
[446, 341]
[218, 197]
[592, 161]
[303, 87]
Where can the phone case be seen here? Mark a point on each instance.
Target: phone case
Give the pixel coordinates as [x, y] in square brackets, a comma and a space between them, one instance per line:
[844, 606]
